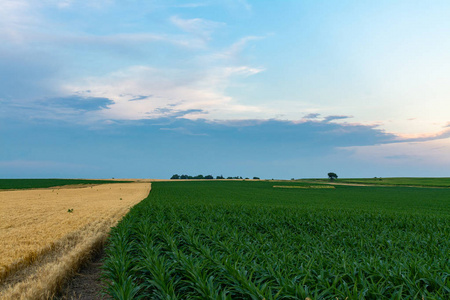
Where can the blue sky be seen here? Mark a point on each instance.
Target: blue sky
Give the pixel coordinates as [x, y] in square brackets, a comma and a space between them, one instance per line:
[286, 89]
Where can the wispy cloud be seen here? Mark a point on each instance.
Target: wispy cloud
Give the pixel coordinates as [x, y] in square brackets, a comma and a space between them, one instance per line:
[140, 97]
[425, 137]
[191, 5]
[312, 116]
[333, 118]
[231, 52]
[17, 17]
[96, 4]
[197, 26]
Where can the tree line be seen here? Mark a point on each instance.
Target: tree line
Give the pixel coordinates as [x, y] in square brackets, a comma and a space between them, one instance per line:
[176, 176]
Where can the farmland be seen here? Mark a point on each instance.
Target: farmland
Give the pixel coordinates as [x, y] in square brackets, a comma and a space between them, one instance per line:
[249, 240]
[46, 183]
[47, 234]
[397, 181]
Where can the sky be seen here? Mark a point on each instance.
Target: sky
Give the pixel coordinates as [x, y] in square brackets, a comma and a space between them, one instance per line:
[285, 89]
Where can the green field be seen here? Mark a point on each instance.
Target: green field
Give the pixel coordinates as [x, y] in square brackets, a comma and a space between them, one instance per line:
[400, 181]
[46, 183]
[248, 240]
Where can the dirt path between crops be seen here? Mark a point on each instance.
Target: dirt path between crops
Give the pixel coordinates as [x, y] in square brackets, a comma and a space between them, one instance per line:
[87, 283]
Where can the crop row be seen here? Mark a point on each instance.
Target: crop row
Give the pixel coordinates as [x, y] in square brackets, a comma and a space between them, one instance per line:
[173, 246]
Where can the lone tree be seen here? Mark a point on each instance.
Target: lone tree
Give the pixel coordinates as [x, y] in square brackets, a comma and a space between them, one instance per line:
[332, 176]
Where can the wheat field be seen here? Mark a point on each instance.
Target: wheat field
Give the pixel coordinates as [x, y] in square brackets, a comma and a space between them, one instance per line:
[47, 234]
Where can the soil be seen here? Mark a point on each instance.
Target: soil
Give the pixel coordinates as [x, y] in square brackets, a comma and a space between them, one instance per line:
[86, 284]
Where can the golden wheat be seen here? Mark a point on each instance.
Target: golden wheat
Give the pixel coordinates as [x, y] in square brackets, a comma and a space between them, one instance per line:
[46, 234]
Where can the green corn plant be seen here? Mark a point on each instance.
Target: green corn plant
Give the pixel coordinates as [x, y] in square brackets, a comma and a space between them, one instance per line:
[242, 240]
[125, 289]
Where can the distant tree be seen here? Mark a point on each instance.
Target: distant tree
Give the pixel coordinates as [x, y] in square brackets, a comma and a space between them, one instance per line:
[175, 176]
[220, 177]
[183, 176]
[247, 178]
[209, 177]
[229, 177]
[200, 176]
[332, 176]
[255, 177]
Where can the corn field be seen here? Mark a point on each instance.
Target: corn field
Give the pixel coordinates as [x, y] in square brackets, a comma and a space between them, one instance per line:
[242, 240]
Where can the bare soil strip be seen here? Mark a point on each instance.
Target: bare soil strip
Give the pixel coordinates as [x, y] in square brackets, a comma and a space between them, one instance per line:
[87, 283]
[47, 234]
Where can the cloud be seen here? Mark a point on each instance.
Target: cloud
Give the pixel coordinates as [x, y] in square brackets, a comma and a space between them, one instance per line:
[15, 17]
[191, 5]
[238, 5]
[197, 26]
[424, 137]
[140, 97]
[56, 62]
[133, 39]
[232, 52]
[118, 42]
[332, 118]
[175, 113]
[172, 91]
[85, 4]
[307, 135]
[73, 109]
[274, 148]
[78, 103]
[312, 116]
[241, 70]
